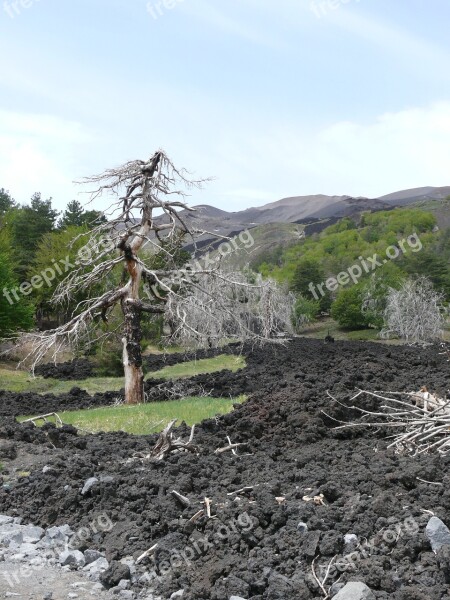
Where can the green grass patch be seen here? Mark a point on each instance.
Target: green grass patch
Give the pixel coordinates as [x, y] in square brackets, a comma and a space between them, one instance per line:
[21, 381]
[206, 365]
[148, 418]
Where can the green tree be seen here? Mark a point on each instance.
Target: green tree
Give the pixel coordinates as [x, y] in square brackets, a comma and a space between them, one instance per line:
[347, 308]
[72, 216]
[16, 312]
[58, 254]
[76, 216]
[6, 202]
[27, 225]
[309, 271]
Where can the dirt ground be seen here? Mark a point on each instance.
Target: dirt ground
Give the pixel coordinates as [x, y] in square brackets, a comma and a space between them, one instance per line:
[293, 491]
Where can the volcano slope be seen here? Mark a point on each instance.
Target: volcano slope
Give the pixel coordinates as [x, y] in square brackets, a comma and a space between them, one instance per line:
[294, 489]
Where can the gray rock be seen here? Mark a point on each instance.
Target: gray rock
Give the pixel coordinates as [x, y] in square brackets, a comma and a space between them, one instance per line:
[12, 535]
[58, 533]
[72, 558]
[124, 584]
[177, 595]
[236, 598]
[28, 549]
[96, 568]
[4, 520]
[126, 595]
[302, 527]
[437, 533]
[355, 591]
[335, 588]
[92, 555]
[32, 534]
[350, 538]
[88, 485]
[106, 479]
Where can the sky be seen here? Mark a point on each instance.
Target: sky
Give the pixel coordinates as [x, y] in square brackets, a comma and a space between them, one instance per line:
[271, 99]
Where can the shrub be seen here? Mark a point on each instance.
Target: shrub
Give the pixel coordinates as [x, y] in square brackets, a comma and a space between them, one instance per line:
[305, 311]
[347, 308]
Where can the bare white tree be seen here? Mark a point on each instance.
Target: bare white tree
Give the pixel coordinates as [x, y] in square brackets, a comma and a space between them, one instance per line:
[229, 307]
[147, 210]
[414, 312]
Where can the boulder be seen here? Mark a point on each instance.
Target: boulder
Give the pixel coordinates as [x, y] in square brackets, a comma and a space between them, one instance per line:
[355, 591]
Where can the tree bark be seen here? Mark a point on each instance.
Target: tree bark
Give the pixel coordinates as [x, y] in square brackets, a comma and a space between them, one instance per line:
[132, 356]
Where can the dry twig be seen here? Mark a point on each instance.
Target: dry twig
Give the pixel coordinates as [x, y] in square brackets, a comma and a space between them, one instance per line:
[423, 419]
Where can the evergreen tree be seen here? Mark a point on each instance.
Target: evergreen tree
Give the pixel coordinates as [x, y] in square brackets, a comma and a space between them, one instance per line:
[6, 202]
[16, 312]
[76, 216]
[27, 225]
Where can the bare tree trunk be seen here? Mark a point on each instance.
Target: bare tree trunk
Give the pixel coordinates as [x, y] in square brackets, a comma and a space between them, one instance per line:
[132, 356]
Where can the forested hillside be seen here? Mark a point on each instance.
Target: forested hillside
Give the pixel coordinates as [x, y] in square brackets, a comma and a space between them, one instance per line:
[382, 249]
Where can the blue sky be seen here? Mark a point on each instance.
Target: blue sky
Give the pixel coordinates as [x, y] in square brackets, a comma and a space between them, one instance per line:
[272, 99]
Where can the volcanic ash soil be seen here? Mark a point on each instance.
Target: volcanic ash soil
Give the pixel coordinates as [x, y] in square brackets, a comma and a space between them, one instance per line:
[297, 491]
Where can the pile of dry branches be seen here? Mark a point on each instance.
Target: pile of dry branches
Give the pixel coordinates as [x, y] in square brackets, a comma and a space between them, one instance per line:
[420, 419]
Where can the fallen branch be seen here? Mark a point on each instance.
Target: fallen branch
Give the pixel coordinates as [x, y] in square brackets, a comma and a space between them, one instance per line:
[166, 444]
[423, 417]
[197, 515]
[181, 499]
[322, 583]
[247, 488]
[146, 553]
[45, 419]
[229, 447]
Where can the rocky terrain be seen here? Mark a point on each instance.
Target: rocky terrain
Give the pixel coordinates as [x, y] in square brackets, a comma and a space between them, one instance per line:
[300, 510]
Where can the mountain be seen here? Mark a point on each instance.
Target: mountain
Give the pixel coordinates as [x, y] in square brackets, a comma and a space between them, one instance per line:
[406, 197]
[304, 210]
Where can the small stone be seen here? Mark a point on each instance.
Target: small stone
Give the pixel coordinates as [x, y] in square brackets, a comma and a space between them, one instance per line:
[437, 533]
[91, 555]
[88, 485]
[96, 568]
[177, 595]
[72, 595]
[72, 558]
[351, 539]
[355, 591]
[302, 527]
[236, 598]
[114, 573]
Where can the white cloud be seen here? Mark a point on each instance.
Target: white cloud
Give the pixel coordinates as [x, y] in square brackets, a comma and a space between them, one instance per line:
[405, 149]
[254, 162]
[39, 153]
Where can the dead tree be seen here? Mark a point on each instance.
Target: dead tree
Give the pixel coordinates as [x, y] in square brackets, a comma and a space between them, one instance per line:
[414, 312]
[146, 217]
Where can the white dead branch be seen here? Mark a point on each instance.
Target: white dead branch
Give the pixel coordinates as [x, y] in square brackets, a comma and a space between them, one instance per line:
[45, 418]
[422, 420]
[322, 583]
[414, 312]
[166, 444]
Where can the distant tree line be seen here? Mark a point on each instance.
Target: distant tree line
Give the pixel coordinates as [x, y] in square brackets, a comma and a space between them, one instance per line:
[33, 237]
